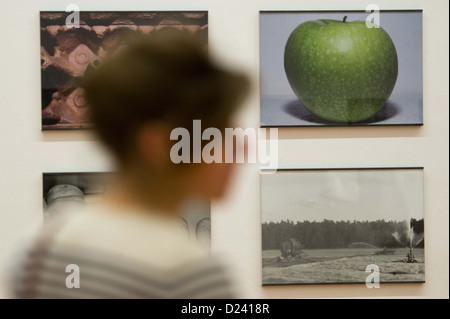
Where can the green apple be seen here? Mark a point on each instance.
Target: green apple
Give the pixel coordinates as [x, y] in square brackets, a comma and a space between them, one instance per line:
[341, 71]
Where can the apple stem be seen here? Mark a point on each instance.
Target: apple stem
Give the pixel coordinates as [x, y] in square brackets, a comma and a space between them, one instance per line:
[344, 20]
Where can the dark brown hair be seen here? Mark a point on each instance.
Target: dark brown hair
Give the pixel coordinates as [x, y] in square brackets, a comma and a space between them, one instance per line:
[163, 77]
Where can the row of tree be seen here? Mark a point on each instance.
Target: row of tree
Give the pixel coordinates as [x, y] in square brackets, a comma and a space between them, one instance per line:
[340, 234]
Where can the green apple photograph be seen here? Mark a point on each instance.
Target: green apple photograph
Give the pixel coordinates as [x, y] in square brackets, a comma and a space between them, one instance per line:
[341, 68]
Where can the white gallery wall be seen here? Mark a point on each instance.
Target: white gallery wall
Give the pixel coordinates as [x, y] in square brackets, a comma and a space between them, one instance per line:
[26, 151]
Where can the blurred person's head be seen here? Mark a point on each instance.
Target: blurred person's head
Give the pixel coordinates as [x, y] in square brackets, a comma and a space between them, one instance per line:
[146, 89]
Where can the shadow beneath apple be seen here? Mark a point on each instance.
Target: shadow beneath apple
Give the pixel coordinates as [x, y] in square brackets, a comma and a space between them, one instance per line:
[297, 109]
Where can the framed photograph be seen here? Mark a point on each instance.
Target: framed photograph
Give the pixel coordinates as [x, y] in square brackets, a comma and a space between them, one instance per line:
[341, 68]
[67, 52]
[325, 226]
[68, 193]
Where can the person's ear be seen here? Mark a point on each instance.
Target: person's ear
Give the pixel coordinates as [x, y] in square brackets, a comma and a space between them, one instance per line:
[212, 180]
[153, 144]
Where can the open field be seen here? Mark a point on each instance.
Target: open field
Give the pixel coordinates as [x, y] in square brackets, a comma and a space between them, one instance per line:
[342, 266]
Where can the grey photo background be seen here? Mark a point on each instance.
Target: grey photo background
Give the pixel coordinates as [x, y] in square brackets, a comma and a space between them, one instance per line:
[315, 195]
[280, 106]
[344, 221]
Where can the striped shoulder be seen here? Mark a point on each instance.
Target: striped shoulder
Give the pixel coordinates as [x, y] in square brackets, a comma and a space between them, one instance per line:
[106, 275]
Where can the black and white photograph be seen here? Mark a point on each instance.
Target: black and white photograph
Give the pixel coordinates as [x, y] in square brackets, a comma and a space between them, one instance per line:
[70, 192]
[325, 226]
[341, 68]
[68, 52]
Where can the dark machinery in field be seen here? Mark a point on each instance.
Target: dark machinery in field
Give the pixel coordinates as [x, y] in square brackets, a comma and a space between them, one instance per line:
[291, 249]
[410, 258]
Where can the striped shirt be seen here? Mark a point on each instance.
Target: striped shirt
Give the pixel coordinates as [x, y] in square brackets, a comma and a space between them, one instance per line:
[118, 255]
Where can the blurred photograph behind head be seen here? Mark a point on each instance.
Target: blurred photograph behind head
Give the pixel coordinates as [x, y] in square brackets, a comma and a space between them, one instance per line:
[70, 193]
[68, 52]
